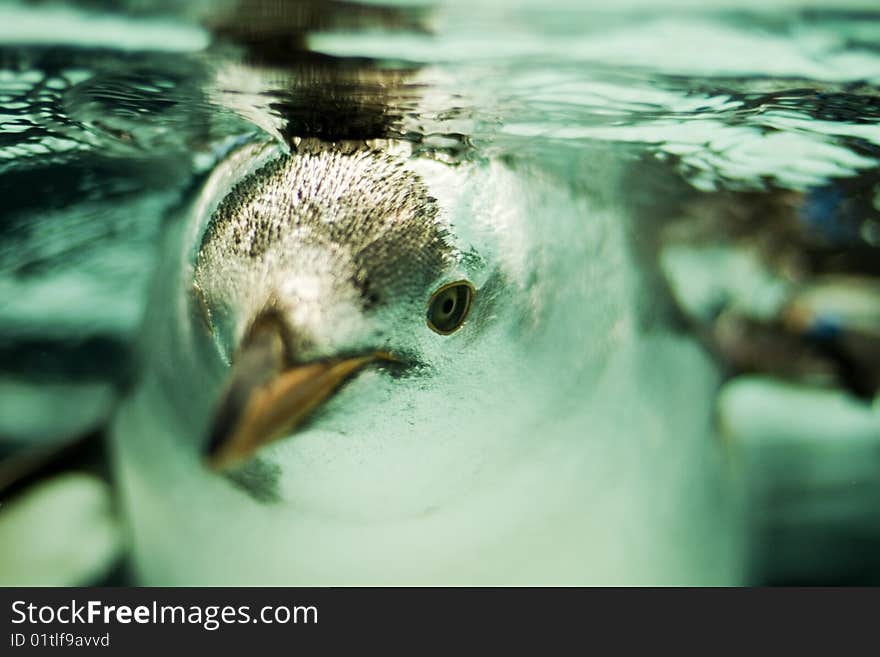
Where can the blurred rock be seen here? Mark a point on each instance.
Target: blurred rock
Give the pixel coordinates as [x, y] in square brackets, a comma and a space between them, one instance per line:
[783, 289]
[809, 463]
[39, 412]
[61, 532]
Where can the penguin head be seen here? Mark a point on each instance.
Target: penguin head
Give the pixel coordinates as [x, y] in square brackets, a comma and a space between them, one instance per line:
[314, 267]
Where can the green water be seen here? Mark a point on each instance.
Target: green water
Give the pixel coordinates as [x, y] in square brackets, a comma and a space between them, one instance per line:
[649, 196]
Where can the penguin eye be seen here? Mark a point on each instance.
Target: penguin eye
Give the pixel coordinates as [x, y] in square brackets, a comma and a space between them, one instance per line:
[449, 307]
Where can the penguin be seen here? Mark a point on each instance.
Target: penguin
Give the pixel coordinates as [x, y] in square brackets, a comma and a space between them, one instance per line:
[339, 361]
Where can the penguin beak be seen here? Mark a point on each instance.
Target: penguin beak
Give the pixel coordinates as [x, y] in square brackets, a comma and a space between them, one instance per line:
[265, 400]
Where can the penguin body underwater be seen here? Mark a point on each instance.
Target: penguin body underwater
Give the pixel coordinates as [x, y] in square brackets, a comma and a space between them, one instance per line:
[300, 271]
[332, 393]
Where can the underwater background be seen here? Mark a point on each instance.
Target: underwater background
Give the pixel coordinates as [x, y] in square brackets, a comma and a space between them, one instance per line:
[684, 199]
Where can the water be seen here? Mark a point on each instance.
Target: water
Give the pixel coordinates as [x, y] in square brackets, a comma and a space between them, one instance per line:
[585, 155]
